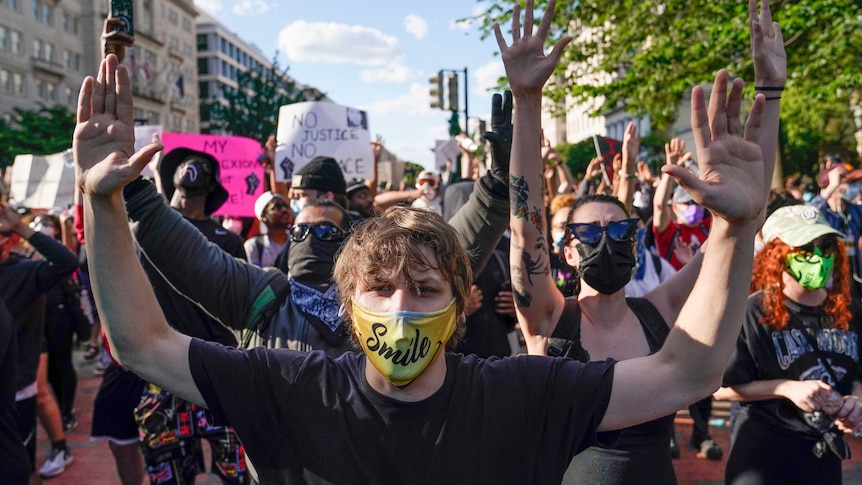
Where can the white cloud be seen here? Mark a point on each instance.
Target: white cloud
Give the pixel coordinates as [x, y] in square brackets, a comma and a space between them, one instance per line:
[211, 6]
[486, 76]
[415, 26]
[393, 74]
[414, 102]
[334, 43]
[469, 24]
[252, 7]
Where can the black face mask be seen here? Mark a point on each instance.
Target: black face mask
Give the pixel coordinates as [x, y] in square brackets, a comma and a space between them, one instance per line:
[193, 178]
[608, 266]
[311, 261]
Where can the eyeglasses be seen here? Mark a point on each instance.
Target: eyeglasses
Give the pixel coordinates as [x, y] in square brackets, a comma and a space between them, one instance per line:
[323, 232]
[592, 233]
[824, 249]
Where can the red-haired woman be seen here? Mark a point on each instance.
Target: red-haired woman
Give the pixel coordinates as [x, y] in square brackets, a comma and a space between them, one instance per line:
[796, 365]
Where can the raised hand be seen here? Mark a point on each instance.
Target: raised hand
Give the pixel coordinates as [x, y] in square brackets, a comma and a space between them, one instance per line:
[675, 154]
[645, 175]
[500, 136]
[631, 146]
[767, 46]
[104, 139]
[732, 183]
[527, 66]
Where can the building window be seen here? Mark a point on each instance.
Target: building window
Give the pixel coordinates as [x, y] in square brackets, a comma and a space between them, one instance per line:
[203, 66]
[13, 4]
[17, 83]
[202, 42]
[69, 95]
[49, 52]
[40, 88]
[204, 90]
[172, 16]
[4, 38]
[5, 81]
[52, 91]
[15, 42]
[66, 19]
[48, 14]
[187, 24]
[75, 26]
[37, 48]
[78, 64]
[67, 59]
[37, 10]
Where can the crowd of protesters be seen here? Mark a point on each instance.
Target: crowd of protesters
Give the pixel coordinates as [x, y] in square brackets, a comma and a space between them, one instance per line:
[353, 333]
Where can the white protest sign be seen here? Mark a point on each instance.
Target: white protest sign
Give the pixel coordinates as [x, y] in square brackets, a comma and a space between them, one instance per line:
[316, 128]
[43, 181]
[445, 150]
[143, 137]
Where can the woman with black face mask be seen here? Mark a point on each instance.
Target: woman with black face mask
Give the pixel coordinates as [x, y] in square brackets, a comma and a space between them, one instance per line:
[600, 322]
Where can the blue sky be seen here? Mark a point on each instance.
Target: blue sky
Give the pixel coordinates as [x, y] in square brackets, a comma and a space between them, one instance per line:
[375, 56]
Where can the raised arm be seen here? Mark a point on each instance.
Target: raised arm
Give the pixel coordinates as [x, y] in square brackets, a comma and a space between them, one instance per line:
[733, 186]
[675, 154]
[627, 175]
[770, 75]
[537, 299]
[103, 145]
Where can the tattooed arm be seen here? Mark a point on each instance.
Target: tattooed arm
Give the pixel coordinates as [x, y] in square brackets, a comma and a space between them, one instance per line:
[538, 302]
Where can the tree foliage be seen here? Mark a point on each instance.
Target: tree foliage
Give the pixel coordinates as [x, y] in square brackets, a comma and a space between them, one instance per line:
[42, 131]
[251, 109]
[645, 55]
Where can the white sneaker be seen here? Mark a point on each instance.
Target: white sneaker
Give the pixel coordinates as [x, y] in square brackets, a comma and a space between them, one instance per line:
[56, 463]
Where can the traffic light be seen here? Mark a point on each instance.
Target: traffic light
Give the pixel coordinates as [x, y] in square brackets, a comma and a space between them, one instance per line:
[436, 89]
[452, 86]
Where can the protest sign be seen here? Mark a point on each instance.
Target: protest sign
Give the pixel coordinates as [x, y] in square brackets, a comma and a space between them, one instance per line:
[143, 137]
[446, 151]
[607, 149]
[240, 172]
[316, 128]
[43, 181]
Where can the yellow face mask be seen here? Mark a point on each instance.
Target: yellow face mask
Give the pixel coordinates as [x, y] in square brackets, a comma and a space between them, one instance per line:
[401, 345]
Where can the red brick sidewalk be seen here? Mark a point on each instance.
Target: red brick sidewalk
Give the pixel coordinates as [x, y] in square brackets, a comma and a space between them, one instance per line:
[94, 464]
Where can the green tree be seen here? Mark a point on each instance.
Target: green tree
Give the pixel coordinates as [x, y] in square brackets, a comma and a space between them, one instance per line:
[648, 54]
[251, 109]
[40, 132]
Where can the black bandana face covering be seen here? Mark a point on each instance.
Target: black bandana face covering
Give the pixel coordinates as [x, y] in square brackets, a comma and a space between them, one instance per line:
[311, 261]
[608, 266]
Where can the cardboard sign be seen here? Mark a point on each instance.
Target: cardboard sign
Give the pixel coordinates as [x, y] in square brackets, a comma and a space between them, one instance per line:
[43, 181]
[241, 174]
[446, 151]
[311, 129]
[143, 137]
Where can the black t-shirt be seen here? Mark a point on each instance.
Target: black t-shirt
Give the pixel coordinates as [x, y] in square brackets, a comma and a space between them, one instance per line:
[181, 313]
[13, 456]
[763, 353]
[306, 418]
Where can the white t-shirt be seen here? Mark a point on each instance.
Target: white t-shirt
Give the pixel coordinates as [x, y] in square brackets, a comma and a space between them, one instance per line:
[651, 278]
[265, 254]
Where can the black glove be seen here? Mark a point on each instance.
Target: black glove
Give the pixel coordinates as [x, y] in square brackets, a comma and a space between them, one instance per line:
[500, 137]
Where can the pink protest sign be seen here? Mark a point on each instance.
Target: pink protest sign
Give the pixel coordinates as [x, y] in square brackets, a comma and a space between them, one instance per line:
[241, 174]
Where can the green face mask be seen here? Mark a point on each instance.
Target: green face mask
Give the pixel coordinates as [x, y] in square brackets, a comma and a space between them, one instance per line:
[811, 270]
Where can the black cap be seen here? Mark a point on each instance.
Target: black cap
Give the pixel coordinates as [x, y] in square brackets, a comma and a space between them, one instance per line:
[177, 156]
[321, 173]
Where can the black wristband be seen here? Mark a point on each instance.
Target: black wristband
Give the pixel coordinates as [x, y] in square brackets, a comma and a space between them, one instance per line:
[769, 88]
[769, 98]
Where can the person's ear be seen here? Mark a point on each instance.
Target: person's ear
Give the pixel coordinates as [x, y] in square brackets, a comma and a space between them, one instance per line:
[328, 195]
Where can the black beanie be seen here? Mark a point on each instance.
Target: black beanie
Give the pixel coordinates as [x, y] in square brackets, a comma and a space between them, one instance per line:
[321, 173]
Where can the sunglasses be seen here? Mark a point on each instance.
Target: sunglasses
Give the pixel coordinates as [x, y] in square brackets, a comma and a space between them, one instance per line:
[824, 249]
[323, 232]
[592, 233]
[429, 182]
